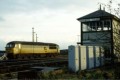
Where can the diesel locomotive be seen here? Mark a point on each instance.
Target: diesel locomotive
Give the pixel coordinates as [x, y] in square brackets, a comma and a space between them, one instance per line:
[24, 49]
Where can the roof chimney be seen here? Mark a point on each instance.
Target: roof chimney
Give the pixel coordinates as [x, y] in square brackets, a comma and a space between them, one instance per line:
[100, 6]
[104, 8]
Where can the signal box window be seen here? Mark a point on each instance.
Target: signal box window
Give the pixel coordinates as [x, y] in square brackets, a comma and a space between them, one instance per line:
[96, 26]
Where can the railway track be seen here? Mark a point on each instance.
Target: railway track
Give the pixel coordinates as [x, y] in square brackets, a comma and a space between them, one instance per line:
[8, 66]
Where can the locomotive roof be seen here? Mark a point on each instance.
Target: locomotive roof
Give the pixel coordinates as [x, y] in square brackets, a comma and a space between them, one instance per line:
[30, 43]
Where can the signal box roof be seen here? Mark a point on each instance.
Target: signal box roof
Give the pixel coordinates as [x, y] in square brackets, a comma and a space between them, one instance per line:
[99, 14]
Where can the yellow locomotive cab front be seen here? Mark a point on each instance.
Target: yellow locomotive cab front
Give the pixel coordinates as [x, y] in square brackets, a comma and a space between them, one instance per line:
[11, 50]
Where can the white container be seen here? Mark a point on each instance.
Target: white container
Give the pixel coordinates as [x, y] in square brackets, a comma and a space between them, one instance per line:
[73, 58]
[97, 56]
[85, 57]
[90, 57]
[101, 56]
[83, 64]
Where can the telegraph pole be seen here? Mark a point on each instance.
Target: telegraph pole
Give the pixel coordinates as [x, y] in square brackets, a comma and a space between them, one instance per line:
[36, 37]
[33, 38]
[33, 34]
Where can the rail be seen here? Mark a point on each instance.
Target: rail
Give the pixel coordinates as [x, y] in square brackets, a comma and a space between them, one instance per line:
[3, 57]
[8, 66]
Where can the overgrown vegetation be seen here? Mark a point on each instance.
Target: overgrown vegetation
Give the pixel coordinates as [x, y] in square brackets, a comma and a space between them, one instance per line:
[98, 73]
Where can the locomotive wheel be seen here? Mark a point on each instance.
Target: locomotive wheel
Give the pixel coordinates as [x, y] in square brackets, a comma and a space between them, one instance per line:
[39, 56]
[25, 57]
[10, 56]
[31, 57]
[53, 55]
[16, 56]
[19, 56]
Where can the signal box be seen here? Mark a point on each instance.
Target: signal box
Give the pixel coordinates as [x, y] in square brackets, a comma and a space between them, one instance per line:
[101, 28]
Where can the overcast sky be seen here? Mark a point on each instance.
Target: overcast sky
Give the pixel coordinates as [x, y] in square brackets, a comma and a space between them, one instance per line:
[53, 20]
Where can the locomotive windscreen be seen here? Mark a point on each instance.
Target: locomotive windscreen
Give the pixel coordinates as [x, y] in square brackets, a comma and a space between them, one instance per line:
[10, 45]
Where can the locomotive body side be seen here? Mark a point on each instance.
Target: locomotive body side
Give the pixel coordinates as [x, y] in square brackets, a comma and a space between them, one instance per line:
[33, 49]
[15, 49]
